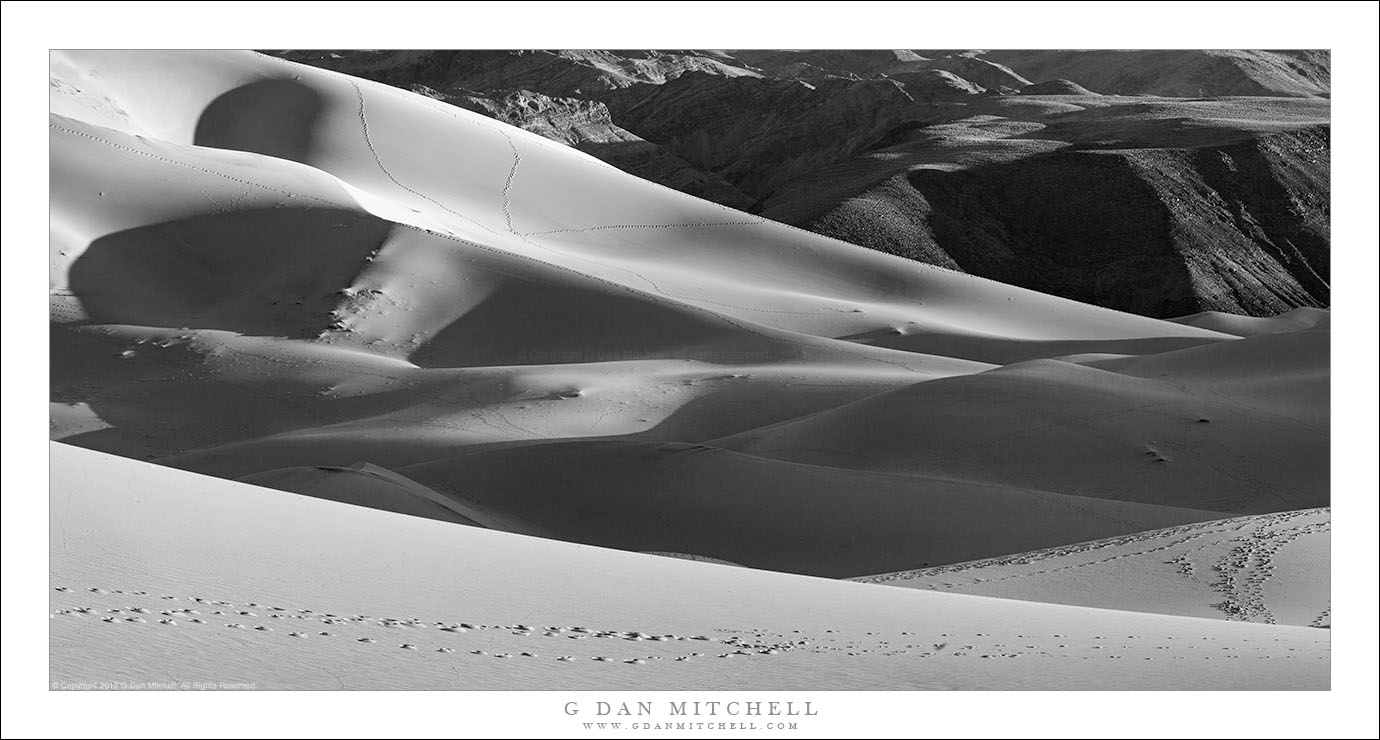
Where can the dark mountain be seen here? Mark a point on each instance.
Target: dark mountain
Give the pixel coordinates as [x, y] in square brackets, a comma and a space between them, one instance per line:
[1161, 182]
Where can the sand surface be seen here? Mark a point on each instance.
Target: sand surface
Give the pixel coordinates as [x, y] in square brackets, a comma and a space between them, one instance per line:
[166, 576]
[1269, 568]
[420, 324]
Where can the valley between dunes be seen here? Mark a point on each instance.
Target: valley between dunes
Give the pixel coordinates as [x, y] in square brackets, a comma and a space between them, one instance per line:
[355, 389]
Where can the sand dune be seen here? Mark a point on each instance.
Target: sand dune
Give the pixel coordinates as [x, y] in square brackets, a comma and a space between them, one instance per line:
[764, 513]
[955, 159]
[420, 318]
[1151, 429]
[1269, 568]
[235, 296]
[362, 485]
[1299, 319]
[205, 577]
[533, 203]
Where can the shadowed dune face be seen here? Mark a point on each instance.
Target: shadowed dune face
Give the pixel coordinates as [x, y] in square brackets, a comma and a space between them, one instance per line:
[525, 324]
[1155, 429]
[362, 485]
[274, 271]
[270, 117]
[765, 513]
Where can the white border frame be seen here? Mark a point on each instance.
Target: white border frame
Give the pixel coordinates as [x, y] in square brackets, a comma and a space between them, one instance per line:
[1349, 29]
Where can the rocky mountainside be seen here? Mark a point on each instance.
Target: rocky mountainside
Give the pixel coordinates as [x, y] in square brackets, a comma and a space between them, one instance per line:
[1161, 182]
[1179, 72]
[588, 126]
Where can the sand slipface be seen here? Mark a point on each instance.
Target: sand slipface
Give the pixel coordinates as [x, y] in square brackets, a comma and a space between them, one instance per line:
[436, 355]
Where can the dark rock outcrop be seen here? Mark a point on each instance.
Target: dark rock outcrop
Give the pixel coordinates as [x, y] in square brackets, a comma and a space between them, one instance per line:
[1240, 228]
[758, 133]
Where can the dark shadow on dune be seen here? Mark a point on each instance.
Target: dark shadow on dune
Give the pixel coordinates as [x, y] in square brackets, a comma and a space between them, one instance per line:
[273, 271]
[272, 117]
[763, 513]
[554, 323]
[1003, 351]
[157, 395]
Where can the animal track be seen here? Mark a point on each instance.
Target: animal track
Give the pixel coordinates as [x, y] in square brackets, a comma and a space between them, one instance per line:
[1237, 576]
[447, 637]
[176, 163]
